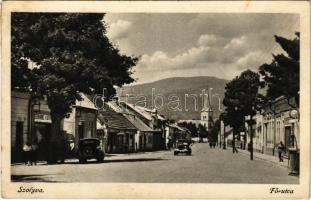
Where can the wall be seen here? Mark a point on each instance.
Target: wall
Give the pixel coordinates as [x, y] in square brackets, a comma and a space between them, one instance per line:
[19, 113]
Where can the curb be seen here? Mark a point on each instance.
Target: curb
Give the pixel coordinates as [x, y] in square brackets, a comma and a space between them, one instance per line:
[260, 158]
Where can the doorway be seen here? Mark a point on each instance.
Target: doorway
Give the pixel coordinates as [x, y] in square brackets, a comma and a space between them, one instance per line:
[81, 130]
[17, 153]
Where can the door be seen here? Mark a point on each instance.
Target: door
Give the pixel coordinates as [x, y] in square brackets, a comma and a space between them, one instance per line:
[81, 130]
[140, 143]
[120, 144]
[19, 136]
[18, 141]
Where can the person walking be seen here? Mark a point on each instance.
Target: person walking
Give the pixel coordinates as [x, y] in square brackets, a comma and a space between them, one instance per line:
[281, 149]
[27, 153]
[235, 150]
[33, 156]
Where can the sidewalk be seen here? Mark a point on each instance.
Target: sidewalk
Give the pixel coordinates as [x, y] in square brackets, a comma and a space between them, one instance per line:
[264, 157]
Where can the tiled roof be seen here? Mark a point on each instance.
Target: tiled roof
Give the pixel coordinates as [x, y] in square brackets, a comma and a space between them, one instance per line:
[115, 120]
[145, 112]
[140, 125]
[130, 116]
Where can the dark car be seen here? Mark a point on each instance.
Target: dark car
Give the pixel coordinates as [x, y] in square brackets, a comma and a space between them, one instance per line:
[183, 146]
[88, 149]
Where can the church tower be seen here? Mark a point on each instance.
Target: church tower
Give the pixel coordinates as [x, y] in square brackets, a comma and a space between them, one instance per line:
[207, 112]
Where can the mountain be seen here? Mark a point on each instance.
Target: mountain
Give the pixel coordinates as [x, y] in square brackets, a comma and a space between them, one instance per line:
[176, 98]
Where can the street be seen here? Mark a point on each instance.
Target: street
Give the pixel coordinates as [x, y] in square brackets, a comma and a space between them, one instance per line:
[204, 166]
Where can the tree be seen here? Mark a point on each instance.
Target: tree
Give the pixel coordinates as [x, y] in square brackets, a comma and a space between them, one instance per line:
[215, 131]
[191, 127]
[281, 76]
[72, 54]
[223, 117]
[241, 100]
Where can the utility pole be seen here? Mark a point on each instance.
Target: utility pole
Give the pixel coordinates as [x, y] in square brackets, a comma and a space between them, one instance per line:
[251, 135]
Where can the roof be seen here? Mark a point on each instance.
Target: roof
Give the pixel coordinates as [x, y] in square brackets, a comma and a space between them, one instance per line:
[145, 112]
[208, 109]
[114, 106]
[140, 125]
[178, 127]
[130, 116]
[115, 120]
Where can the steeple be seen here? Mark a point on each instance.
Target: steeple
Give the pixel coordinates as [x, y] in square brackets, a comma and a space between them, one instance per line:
[207, 111]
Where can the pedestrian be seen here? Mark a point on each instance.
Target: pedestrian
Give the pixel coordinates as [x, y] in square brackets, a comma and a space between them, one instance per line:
[281, 149]
[33, 154]
[210, 144]
[27, 153]
[235, 150]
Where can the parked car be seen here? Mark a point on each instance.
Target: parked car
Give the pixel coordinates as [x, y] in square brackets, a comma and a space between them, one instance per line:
[183, 146]
[90, 148]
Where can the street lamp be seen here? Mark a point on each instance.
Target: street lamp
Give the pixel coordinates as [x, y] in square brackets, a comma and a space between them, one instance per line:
[251, 122]
[234, 131]
[294, 150]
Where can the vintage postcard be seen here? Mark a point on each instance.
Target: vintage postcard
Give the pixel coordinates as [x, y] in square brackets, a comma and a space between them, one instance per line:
[155, 99]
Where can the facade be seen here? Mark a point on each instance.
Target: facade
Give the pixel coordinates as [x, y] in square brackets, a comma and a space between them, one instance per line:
[19, 123]
[156, 124]
[81, 121]
[30, 123]
[118, 133]
[276, 123]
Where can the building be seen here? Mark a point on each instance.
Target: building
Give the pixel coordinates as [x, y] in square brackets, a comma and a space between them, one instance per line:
[119, 133]
[30, 123]
[206, 115]
[175, 133]
[144, 139]
[278, 122]
[153, 120]
[81, 121]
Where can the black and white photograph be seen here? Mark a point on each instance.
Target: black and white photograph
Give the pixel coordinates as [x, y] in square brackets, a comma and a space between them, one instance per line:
[159, 98]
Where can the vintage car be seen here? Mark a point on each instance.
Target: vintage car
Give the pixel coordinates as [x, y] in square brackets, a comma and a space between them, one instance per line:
[88, 149]
[183, 146]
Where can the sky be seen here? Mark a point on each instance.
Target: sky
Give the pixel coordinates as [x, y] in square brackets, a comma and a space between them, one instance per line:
[198, 44]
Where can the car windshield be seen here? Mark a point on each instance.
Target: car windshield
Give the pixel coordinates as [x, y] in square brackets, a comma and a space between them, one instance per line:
[182, 146]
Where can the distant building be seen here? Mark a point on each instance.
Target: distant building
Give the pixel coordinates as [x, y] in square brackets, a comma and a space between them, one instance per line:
[175, 133]
[206, 114]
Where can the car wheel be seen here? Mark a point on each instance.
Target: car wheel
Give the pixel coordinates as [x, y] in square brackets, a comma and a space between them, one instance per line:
[175, 153]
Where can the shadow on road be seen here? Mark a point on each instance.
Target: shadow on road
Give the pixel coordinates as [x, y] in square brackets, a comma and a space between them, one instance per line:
[30, 178]
[118, 161]
[134, 160]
